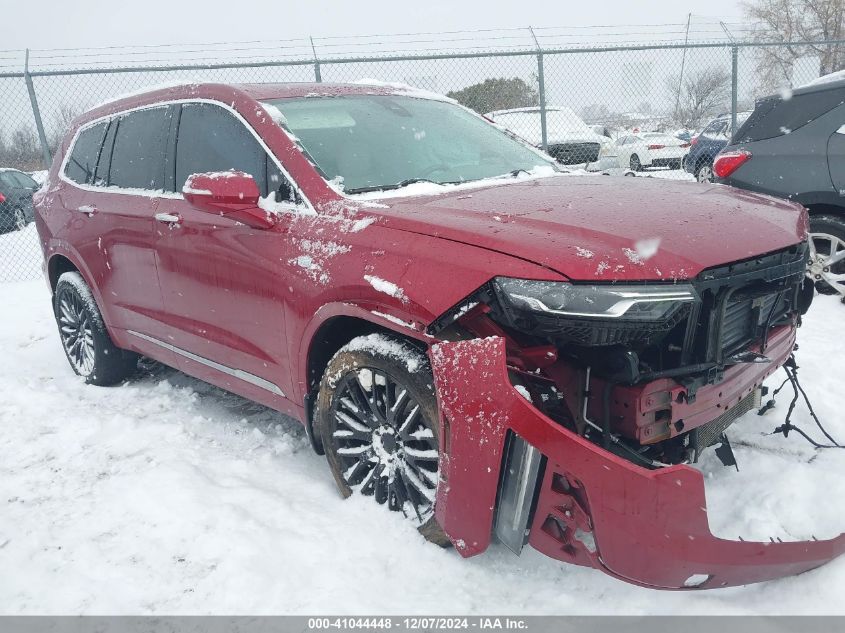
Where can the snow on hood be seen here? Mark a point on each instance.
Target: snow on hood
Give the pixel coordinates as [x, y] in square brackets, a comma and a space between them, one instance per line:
[599, 227]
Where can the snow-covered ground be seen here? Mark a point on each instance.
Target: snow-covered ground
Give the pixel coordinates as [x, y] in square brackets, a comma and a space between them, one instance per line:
[166, 495]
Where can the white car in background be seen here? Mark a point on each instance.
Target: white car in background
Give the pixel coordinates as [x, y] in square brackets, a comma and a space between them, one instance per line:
[570, 141]
[651, 149]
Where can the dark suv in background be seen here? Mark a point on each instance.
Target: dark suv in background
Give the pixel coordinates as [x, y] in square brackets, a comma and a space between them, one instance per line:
[16, 189]
[704, 146]
[793, 146]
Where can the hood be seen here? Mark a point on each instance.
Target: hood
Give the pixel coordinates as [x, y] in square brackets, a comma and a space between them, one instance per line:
[601, 227]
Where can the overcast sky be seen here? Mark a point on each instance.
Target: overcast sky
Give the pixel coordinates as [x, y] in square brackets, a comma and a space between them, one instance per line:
[73, 23]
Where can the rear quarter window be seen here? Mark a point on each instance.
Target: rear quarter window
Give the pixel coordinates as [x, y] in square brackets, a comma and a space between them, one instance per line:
[82, 160]
[775, 116]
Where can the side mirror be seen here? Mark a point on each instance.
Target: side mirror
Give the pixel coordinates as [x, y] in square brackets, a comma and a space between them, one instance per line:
[233, 194]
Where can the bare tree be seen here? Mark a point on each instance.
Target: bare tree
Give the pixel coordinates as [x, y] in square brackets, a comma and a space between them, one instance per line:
[61, 123]
[700, 95]
[796, 21]
[22, 150]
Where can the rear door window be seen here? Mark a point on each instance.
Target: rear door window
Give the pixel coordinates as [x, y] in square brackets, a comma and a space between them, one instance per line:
[715, 129]
[137, 160]
[83, 156]
[101, 176]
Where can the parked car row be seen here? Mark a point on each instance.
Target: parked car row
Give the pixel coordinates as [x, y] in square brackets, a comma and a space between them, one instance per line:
[474, 339]
[568, 139]
[573, 143]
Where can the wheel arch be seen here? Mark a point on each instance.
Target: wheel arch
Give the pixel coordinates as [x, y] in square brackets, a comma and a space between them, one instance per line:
[57, 265]
[821, 208]
[334, 329]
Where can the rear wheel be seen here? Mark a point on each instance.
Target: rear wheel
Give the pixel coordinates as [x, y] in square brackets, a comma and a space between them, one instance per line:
[827, 254]
[377, 416]
[635, 163]
[87, 344]
[20, 219]
[704, 173]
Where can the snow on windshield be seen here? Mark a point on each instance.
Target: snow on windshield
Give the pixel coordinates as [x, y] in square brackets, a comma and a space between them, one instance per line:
[383, 142]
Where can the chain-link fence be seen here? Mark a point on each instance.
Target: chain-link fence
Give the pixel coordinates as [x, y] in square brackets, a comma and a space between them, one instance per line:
[652, 110]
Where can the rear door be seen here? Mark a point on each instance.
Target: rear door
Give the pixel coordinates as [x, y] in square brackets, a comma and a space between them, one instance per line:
[223, 283]
[119, 207]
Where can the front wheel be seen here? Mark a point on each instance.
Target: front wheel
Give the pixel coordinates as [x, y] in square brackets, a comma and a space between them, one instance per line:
[377, 416]
[87, 344]
[827, 254]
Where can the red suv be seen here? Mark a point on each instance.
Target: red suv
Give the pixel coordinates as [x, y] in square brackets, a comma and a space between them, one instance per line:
[473, 338]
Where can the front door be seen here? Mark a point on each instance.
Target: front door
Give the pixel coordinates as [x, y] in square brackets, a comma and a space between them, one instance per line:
[222, 282]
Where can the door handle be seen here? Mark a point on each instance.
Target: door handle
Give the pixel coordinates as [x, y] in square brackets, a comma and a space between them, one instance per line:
[168, 218]
[87, 209]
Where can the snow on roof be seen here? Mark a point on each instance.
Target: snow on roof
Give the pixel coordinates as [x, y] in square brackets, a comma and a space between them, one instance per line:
[403, 89]
[839, 75]
[142, 91]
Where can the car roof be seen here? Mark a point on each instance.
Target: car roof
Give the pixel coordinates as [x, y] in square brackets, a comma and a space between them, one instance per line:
[229, 93]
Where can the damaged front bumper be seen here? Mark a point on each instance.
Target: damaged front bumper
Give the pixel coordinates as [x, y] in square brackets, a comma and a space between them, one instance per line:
[592, 508]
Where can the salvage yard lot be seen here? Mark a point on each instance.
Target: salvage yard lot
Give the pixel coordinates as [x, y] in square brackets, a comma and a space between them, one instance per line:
[167, 495]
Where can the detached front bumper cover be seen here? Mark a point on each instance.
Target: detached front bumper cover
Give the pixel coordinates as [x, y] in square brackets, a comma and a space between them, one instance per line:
[648, 527]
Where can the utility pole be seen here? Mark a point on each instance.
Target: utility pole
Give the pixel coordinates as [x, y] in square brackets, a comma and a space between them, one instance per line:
[683, 63]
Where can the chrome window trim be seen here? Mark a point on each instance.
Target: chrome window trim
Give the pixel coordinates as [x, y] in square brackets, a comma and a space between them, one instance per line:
[158, 193]
[240, 374]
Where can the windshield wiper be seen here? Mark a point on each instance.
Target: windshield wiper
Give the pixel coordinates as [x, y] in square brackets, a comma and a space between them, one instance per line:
[514, 173]
[398, 185]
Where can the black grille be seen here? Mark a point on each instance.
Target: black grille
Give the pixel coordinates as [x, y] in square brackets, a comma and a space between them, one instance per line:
[737, 325]
[710, 433]
[575, 153]
[745, 316]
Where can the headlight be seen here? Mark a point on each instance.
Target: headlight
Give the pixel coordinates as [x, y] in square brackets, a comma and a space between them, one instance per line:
[611, 301]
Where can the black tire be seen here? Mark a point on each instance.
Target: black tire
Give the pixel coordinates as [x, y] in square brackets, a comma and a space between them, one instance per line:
[833, 226]
[85, 340]
[634, 163]
[368, 447]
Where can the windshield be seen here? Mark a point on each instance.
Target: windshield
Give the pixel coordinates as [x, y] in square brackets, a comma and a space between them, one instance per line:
[373, 142]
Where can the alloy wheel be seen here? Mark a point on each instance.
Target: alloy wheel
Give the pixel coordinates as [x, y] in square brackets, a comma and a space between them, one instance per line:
[383, 444]
[76, 333]
[20, 219]
[827, 261]
[705, 174]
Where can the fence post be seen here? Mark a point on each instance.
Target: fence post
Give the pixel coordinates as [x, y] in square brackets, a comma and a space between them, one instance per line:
[318, 77]
[541, 88]
[39, 125]
[734, 85]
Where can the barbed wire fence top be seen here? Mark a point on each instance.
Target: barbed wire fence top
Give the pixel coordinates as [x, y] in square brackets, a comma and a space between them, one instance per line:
[599, 98]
